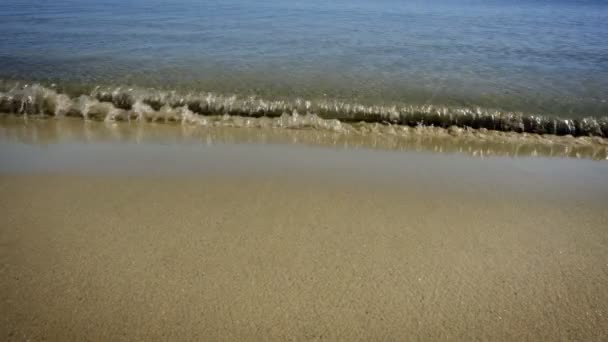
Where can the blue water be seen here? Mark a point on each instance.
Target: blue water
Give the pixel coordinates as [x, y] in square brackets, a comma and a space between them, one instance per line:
[546, 57]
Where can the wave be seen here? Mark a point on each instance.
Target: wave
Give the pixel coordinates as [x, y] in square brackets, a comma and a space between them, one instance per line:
[126, 104]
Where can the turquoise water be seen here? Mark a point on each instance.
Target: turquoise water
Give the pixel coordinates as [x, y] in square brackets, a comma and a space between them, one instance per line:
[535, 57]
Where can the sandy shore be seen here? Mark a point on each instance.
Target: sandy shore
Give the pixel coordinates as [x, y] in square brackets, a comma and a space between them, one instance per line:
[159, 239]
[103, 258]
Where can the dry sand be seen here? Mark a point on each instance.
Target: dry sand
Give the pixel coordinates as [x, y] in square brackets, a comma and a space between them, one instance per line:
[417, 253]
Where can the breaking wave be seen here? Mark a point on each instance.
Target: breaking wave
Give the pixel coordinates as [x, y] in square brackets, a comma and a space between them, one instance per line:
[126, 104]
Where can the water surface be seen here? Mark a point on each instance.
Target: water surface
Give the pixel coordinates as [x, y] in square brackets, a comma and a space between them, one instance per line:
[540, 57]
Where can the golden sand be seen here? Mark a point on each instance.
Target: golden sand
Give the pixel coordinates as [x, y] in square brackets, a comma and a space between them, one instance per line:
[220, 258]
[164, 232]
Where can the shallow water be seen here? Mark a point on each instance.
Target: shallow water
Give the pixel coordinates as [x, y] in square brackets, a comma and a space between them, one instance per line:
[531, 56]
[305, 130]
[429, 162]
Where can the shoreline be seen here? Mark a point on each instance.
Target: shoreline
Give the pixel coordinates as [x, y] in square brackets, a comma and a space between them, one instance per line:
[303, 171]
[305, 130]
[110, 232]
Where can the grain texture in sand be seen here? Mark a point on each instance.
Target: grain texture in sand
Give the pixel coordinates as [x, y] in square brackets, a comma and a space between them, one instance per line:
[126, 258]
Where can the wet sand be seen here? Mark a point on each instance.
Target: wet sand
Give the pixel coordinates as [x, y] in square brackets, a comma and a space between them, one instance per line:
[111, 240]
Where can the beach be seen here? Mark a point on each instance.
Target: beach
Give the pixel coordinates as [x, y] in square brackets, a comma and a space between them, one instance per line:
[361, 170]
[107, 239]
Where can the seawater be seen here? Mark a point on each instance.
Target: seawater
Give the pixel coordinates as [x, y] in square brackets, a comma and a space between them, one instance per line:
[523, 66]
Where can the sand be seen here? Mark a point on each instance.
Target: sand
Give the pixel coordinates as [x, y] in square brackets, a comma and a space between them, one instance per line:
[413, 247]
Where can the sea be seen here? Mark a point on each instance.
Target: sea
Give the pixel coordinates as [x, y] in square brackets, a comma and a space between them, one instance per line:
[537, 66]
